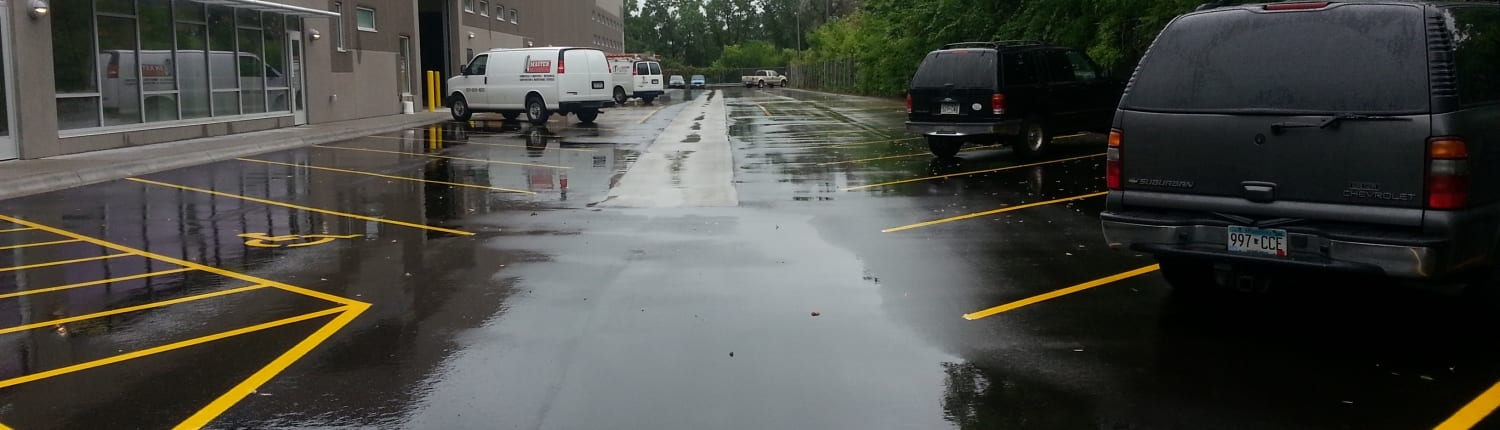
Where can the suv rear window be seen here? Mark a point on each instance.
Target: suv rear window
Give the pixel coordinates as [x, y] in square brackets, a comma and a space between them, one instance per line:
[1477, 41]
[964, 68]
[1349, 58]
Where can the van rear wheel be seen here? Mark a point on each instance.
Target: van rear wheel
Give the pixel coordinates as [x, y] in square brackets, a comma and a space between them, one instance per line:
[944, 147]
[620, 96]
[648, 99]
[460, 109]
[588, 116]
[536, 110]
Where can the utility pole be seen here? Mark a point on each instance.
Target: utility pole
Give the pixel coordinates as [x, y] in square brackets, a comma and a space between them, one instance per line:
[798, 12]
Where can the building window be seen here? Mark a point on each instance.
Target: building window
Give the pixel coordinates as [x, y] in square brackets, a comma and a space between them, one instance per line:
[365, 19]
[484, 8]
[499, 11]
[468, 6]
[119, 63]
[338, 26]
[513, 16]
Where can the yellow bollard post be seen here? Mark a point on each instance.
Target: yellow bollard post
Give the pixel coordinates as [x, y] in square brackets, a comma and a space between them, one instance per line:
[431, 93]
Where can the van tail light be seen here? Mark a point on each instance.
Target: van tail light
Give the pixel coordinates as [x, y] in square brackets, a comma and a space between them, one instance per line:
[113, 72]
[997, 104]
[908, 103]
[562, 64]
[1447, 173]
[1113, 162]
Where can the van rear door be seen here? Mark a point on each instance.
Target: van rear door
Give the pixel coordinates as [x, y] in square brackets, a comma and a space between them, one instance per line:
[583, 75]
[1246, 107]
[951, 83]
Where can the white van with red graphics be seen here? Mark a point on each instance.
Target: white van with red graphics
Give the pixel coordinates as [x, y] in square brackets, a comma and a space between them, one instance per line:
[636, 76]
[535, 81]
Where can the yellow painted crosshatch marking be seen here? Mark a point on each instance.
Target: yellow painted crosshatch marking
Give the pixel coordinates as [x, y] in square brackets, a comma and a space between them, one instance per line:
[262, 240]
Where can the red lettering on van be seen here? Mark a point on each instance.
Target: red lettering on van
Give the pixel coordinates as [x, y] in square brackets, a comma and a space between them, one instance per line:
[539, 66]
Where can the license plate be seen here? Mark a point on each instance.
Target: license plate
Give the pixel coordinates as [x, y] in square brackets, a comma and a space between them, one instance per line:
[949, 109]
[1257, 241]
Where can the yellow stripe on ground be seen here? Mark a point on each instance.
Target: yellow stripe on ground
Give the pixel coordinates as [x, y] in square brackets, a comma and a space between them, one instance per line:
[29, 245]
[378, 175]
[1474, 412]
[206, 415]
[445, 157]
[1059, 293]
[305, 208]
[652, 114]
[976, 148]
[976, 172]
[846, 145]
[168, 347]
[993, 212]
[13, 230]
[152, 305]
[92, 283]
[488, 144]
[762, 108]
[59, 263]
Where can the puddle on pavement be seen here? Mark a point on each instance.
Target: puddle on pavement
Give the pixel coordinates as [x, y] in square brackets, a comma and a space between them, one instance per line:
[693, 138]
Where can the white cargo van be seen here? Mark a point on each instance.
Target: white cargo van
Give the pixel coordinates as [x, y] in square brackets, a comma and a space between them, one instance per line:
[636, 77]
[534, 81]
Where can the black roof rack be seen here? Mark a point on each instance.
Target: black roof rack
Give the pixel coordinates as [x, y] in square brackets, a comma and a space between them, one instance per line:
[993, 45]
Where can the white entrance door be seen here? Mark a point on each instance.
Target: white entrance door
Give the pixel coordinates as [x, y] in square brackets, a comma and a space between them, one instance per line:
[298, 80]
[8, 149]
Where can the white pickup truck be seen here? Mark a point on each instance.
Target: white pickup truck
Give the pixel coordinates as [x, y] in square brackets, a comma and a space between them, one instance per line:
[764, 78]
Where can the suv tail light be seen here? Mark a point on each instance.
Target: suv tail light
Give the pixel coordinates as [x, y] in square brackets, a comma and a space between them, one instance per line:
[1447, 173]
[908, 102]
[1112, 163]
[997, 104]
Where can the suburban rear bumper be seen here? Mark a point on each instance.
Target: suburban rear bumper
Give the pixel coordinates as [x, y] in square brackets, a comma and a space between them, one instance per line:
[959, 129]
[1413, 260]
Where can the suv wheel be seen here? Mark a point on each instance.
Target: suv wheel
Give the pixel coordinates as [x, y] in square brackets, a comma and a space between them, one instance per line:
[1034, 139]
[1188, 276]
[588, 116]
[536, 110]
[944, 147]
[620, 96]
[460, 109]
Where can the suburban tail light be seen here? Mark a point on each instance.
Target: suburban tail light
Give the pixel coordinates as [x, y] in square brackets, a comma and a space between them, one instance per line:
[908, 103]
[113, 72]
[1112, 163]
[997, 104]
[1296, 6]
[1447, 173]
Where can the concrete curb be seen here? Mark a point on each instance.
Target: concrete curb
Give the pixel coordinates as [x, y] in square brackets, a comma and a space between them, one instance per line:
[60, 173]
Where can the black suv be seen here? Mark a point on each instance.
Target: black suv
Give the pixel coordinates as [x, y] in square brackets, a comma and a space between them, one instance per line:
[1348, 136]
[1017, 92]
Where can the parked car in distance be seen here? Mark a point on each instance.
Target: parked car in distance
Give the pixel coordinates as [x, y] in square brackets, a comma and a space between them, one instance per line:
[764, 78]
[535, 81]
[698, 81]
[1020, 93]
[1294, 135]
[676, 81]
[636, 76]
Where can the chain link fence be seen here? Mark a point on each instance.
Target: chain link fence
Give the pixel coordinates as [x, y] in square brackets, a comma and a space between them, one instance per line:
[836, 76]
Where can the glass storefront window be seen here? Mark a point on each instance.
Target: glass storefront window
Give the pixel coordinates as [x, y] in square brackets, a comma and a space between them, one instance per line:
[121, 62]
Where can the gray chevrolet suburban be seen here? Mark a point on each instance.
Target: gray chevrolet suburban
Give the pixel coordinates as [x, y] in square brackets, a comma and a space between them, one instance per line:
[1358, 136]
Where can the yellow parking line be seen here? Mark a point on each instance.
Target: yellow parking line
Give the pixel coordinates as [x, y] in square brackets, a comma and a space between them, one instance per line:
[92, 283]
[652, 114]
[487, 144]
[904, 139]
[976, 148]
[976, 172]
[1059, 293]
[762, 108]
[993, 212]
[29, 245]
[1474, 412]
[130, 309]
[477, 160]
[305, 208]
[206, 415]
[356, 172]
[168, 347]
[59, 263]
[13, 230]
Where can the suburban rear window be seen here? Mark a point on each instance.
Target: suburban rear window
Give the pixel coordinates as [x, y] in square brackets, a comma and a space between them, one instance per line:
[1348, 58]
[964, 68]
[1477, 51]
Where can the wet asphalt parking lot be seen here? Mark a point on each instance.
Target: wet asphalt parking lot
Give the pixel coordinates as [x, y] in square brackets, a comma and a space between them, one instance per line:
[496, 275]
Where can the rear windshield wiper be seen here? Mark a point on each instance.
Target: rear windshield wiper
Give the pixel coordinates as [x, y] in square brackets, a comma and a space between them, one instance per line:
[1333, 121]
